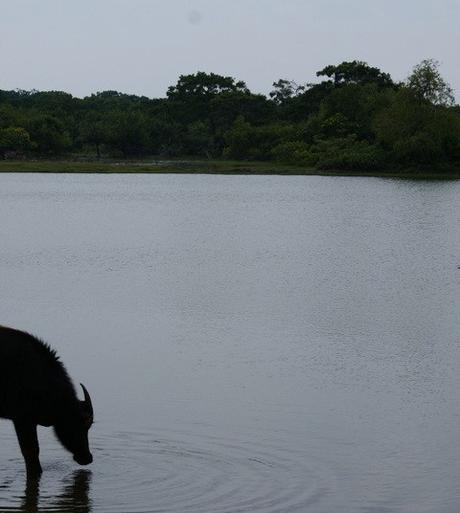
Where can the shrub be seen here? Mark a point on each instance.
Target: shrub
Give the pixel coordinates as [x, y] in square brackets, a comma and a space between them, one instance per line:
[245, 141]
[349, 155]
[295, 152]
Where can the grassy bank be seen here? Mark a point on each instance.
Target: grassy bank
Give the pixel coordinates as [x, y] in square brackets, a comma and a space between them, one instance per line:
[151, 166]
[205, 167]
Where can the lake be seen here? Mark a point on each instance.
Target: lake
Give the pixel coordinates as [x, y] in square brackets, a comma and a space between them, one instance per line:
[252, 344]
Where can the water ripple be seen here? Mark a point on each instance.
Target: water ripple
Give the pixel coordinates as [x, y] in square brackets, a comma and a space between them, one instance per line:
[135, 472]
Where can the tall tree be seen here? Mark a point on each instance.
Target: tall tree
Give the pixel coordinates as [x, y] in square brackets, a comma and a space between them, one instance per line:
[355, 72]
[203, 84]
[128, 132]
[417, 132]
[190, 99]
[14, 139]
[284, 90]
[428, 84]
[94, 130]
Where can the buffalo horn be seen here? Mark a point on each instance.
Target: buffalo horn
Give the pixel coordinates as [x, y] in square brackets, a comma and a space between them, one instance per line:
[88, 403]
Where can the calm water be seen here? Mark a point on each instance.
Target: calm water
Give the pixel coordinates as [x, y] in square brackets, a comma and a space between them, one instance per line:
[252, 344]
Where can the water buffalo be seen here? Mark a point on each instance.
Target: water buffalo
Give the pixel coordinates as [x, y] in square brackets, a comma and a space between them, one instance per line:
[35, 389]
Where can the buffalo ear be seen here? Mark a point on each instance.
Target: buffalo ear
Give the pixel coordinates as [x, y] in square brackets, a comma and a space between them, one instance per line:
[87, 404]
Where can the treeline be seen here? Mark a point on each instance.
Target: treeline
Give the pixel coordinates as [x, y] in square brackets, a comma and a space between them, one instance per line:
[354, 118]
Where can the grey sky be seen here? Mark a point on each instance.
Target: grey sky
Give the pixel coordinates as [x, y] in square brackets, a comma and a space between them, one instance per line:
[142, 46]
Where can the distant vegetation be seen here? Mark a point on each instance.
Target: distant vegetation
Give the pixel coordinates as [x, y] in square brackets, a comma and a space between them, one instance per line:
[356, 118]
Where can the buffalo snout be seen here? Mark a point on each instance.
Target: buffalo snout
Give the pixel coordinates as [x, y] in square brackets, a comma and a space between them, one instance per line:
[84, 459]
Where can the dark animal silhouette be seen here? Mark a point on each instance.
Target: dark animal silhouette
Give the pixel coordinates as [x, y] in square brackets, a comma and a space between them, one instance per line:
[35, 389]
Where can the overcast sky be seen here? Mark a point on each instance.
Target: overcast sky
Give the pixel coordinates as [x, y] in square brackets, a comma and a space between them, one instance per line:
[142, 46]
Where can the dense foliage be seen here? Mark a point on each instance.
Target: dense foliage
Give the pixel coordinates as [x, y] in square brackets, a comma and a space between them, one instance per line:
[355, 118]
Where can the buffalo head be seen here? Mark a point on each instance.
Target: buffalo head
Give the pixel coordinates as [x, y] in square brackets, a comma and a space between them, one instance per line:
[72, 429]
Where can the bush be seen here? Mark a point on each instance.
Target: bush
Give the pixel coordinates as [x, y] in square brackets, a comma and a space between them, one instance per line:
[14, 139]
[416, 132]
[296, 152]
[349, 155]
[419, 148]
[245, 141]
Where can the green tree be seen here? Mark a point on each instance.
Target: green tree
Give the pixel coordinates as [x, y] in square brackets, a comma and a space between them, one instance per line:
[245, 141]
[190, 99]
[167, 137]
[351, 109]
[305, 104]
[225, 108]
[203, 84]
[94, 130]
[48, 134]
[284, 90]
[128, 132]
[199, 139]
[417, 132]
[428, 84]
[356, 72]
[14, 139]
[9, 116]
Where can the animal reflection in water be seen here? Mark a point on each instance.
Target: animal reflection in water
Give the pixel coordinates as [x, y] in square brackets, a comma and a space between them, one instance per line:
[74, 496]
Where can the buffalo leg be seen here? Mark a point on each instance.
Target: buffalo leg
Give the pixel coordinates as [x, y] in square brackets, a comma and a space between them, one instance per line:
[28, 441]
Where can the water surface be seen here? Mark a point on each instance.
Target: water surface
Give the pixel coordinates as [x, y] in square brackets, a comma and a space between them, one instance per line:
[252, 344]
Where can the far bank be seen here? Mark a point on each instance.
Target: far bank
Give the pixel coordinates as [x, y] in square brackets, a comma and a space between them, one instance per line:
[211, 167]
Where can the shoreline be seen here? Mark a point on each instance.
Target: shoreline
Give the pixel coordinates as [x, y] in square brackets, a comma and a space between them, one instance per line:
[207, 167]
